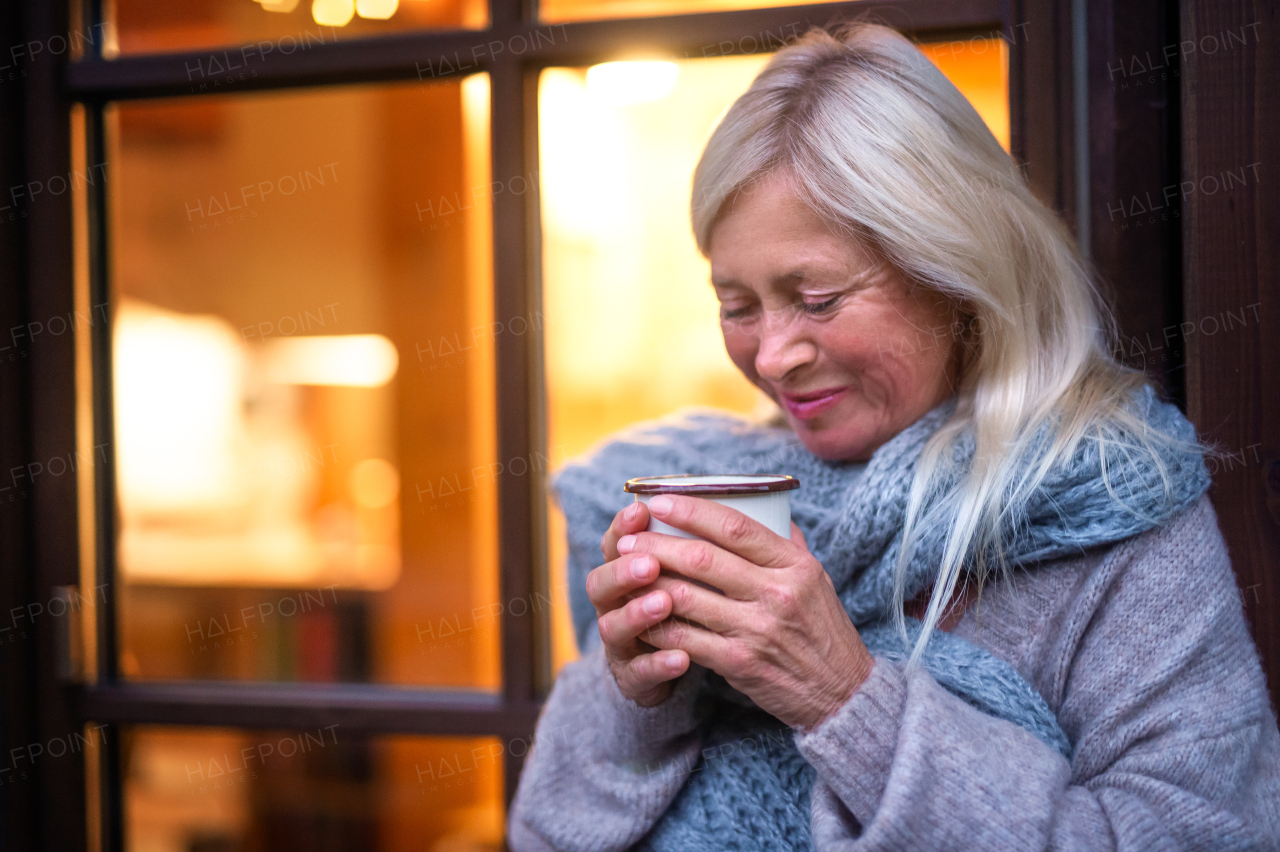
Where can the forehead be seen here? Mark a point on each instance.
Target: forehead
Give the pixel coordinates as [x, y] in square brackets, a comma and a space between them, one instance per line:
[767, 228]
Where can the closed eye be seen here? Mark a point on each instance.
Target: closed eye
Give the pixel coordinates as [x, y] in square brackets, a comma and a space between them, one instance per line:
[820, 307]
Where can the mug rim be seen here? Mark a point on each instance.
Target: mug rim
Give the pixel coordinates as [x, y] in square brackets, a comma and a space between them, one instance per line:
[778, 482]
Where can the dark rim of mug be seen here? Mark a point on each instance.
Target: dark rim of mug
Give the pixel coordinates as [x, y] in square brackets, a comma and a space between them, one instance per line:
[671, 484]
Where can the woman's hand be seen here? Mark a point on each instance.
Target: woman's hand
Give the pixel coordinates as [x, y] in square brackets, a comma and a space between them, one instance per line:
[623, 612]
[776, 630]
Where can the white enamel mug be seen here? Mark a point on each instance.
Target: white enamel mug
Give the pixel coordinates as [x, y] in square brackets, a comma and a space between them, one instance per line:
[762, 497]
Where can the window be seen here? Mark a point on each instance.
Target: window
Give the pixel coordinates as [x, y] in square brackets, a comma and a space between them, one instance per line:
[303, 385]
[341, 314]
[618, 144]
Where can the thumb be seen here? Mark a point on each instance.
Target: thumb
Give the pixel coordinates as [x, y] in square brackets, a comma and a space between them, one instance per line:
[797, 537]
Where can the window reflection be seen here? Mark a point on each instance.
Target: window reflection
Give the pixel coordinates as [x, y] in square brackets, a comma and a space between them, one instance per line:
[306, 465]
[255, 31]
[577, 10]
[220, 470]
[227, 790]
[632, 329]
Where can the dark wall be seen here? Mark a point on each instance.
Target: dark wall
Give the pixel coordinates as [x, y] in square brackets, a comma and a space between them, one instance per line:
[1230, 87]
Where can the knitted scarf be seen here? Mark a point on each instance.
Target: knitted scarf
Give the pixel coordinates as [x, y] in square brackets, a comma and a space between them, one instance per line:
[756, 797]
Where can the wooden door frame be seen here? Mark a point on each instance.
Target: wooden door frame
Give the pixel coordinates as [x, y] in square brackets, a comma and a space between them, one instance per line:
[1230, 102]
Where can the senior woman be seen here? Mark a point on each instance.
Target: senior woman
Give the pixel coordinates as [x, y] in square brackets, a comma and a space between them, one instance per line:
[1005, 618]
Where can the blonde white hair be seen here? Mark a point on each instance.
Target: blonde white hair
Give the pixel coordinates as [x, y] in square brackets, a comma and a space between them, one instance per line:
[881, 145]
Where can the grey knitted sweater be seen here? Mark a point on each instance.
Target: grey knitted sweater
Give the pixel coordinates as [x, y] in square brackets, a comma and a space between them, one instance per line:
[1140, 649]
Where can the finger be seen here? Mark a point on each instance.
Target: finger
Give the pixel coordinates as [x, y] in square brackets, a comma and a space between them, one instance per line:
[610, 584]
[620, 627]
[726, 527]
[797, 536]
[647, 671]
[698, 560]
[632, 519]
[703, 647]
[710, 609]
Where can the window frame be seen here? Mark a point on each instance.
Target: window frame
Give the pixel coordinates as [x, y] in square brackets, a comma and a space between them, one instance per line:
[1039, 95]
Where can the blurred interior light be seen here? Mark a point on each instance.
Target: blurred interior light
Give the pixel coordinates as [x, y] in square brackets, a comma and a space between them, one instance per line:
[278, 5]
[622, 83]
[178, 398]
[333, 13]
[378, 10]
[375, 483]
[350, 360]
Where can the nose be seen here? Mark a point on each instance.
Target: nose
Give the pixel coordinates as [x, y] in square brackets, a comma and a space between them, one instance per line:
[783, 348]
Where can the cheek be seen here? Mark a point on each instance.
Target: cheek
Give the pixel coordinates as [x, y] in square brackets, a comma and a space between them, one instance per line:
[851, 347]
[912, 364]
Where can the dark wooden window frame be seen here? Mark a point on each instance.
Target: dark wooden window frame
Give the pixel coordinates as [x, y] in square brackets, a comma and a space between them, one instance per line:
[53, 811]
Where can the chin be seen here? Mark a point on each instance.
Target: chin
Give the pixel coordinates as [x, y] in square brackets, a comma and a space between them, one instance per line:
[832, 443]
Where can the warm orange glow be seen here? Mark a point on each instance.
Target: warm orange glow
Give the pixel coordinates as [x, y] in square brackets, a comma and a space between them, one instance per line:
[632, 329]
[625, 83]
[979, 68]
[375, 483]
[378, 10]
[333, 13]
[229, 787]
[578, 10]
[349, 360]
[288, 511]
[266, 29]
[482, 446]
[178, 426]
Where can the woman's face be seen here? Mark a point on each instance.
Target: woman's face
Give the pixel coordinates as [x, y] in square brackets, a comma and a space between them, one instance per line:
[839, 340]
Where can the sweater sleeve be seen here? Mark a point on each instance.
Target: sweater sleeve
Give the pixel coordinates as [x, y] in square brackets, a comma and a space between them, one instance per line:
[602, 769]
[1157, 684]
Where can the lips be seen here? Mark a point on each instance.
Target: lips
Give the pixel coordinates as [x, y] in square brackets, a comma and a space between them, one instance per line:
[804, 406]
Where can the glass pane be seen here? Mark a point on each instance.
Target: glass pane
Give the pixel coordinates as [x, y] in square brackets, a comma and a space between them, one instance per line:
[227, 790]
[578, 10]
[979, 68]
[303, 384]
[618, 151]
[254, 31]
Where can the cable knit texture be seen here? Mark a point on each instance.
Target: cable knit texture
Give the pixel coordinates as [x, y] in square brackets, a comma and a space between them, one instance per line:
[1136, 654]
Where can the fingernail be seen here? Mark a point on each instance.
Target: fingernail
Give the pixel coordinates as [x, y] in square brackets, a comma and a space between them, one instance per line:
[630, 514]
[640, 567]
[653, 604]
[660, 505]
[674, 662]
[626, 544]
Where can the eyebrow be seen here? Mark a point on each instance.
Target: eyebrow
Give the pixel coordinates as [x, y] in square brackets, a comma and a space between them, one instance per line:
[792, 277]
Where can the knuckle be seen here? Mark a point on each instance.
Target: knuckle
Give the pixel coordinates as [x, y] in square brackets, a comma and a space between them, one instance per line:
[766, 621]
[737, 525]
[779, 596]
[646, 669]
[701, 558]
[625, 675]
[739, 659]
[681, 597]
[812, 572]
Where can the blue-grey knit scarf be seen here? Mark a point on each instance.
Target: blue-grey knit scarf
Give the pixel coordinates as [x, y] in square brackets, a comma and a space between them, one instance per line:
[757, 797]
